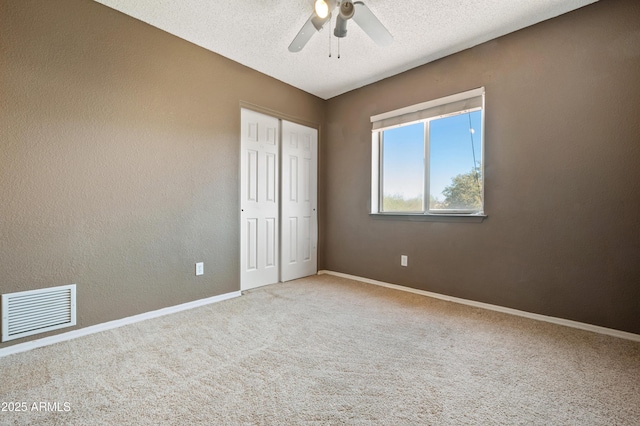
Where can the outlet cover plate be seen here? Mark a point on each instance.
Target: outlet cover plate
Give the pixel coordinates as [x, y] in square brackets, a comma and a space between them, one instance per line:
[200, 268]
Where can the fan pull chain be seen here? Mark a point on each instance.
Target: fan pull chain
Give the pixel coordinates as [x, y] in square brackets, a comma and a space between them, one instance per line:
[329, 39]
[338, 47]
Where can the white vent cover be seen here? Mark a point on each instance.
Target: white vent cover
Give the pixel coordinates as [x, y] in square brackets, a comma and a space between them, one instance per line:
[35, 311]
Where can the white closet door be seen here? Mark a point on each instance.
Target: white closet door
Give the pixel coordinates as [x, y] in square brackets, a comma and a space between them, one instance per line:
[299, 201]
[259, 192]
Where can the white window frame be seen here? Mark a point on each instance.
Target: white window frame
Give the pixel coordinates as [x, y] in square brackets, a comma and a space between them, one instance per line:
[460, 103]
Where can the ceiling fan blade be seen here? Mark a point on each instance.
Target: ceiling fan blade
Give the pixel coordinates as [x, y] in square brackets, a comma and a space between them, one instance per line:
[313, 24]
[365, 18]
[303, 36]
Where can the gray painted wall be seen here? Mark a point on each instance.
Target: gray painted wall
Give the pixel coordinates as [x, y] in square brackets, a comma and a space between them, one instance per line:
[562, 237]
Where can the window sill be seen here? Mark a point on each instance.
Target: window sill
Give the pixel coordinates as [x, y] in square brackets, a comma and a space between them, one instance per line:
[469, 218]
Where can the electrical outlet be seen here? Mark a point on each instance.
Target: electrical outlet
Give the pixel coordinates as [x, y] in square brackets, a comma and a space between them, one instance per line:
[200, 268]
[404, 260]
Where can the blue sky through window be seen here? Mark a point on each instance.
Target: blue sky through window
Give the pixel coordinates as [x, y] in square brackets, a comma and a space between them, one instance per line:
[403, 161]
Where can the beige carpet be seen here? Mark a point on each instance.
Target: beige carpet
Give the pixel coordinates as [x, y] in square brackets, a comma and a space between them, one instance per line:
[326, 350]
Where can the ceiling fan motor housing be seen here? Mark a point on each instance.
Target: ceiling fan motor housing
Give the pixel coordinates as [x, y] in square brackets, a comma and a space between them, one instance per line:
[346, 12]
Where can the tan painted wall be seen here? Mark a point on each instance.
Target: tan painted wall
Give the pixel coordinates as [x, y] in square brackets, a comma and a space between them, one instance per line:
[562, 174]
[119, 158]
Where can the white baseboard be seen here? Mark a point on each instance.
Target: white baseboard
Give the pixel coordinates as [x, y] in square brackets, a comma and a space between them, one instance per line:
[554, 320]
[50, 340]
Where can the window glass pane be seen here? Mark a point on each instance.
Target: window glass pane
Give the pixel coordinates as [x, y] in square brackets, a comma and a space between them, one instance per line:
[455, 151]
[403, 169]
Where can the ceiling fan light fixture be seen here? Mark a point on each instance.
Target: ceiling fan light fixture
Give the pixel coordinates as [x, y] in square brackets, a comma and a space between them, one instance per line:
[346, 9]
[322, 12]
[321, 8]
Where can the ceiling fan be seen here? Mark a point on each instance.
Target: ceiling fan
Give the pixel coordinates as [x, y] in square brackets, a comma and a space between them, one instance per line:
[347, 9]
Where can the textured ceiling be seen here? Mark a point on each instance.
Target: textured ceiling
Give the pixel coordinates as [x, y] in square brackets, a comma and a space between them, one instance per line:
[257, 33]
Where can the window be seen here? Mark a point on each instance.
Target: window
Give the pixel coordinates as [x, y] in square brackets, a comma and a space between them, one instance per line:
[428, 158]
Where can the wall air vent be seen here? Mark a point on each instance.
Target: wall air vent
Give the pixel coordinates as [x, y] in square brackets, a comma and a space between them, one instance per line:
[26, 313]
